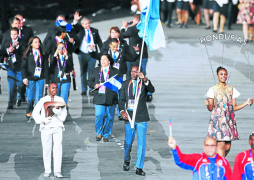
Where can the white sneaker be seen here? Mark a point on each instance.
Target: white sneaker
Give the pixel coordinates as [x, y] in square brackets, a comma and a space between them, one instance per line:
[46, 175]
[59, 175]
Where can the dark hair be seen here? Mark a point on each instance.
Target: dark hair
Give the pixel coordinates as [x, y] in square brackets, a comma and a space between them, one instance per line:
[137, 16]
[138, 67]
[223, 124]
[220, 68]
[52, 82]
[15, 18]
[109, 58]
[220, 133]
[29, 47]
[113, 40]
[15, 29]
[232, 108]
[114, 28]
[59, 30]
[214, 124]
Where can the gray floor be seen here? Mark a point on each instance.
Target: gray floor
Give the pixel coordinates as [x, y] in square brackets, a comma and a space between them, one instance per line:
[176, 72]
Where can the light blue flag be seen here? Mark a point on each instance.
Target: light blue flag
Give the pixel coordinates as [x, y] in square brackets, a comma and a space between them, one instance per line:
[154, 35]
[64, 23]
[114, 83]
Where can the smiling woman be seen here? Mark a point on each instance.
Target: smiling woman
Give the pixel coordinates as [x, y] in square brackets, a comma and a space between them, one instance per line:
[222, 102]
[104, 98]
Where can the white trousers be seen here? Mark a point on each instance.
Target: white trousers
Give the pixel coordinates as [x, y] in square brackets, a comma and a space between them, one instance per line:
[46, 138]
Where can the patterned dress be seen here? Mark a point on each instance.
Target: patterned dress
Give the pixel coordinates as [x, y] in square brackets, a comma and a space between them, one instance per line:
[246, 12]
[222, 124]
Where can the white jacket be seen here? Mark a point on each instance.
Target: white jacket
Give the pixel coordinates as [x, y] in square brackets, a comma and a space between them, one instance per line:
[55, 121]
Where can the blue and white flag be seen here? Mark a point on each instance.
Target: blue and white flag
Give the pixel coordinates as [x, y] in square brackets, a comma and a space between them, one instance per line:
[114, 83]
[64, 23]
[154, 35]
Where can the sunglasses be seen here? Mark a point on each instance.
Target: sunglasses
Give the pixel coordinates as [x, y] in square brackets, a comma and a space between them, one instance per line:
[61, 48]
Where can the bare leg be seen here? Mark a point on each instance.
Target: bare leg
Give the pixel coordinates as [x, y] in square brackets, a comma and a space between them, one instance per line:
[179, 15]
[198, 15]
[227, 148]
[251, 33]
[222, 23]
[211, 11]
[185, 17]
[245, 31]
[221, 149]
[207, 20]
[215, 20]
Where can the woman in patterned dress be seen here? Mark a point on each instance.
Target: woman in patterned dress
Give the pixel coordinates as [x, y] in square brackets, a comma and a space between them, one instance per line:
[246, 18]
[222, 103]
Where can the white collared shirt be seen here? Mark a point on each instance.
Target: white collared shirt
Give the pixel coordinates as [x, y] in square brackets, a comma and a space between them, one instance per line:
[105, 73]
[36, 55]
[59, 40]
[12, 44]
[16, 40]
[60, 59]
[84, 47]
[116, 53]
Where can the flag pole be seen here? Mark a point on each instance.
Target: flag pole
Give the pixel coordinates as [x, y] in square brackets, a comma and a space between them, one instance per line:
[140, 60]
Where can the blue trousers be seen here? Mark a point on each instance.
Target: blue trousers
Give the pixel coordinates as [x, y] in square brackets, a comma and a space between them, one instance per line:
[34, 91]
[63, 90]
[15, 81]
[104, 119]
[140, 127]
[87, 64]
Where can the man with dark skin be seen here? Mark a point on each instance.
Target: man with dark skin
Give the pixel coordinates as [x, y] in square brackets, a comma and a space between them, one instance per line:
[207, 165]
[51, 128]
[243, 167]
[130, 92]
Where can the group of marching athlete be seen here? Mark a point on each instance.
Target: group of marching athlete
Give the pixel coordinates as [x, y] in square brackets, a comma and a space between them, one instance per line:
[30, 62]
[33, 66]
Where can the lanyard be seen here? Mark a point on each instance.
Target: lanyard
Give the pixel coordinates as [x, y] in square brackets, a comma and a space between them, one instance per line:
[252, 163]
[102, 73]
[118, 48]
[207, 172]
[39, 55]
[139, 85]
[119, 56]
[58, 63]
[63, 42]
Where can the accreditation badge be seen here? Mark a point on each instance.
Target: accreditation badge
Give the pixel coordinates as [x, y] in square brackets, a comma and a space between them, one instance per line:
[64, 76]
[13, 58]
[116, 65]
[131, 103]
[102, 89]
[37, 72]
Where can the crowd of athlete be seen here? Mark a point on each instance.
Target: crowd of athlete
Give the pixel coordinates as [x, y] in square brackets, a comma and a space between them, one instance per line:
[33, 66]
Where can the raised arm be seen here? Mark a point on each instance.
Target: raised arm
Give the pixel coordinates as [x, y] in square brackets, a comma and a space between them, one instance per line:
[240, 106]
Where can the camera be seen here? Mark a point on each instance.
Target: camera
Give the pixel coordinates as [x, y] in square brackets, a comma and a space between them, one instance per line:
[130, 23]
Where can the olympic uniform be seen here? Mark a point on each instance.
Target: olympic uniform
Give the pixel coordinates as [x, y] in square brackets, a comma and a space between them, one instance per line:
[244, 166]
[203, 168]
[51, 129]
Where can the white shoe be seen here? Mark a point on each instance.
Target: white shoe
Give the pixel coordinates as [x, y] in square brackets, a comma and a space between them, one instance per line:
[46, 175]
[59, 175]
